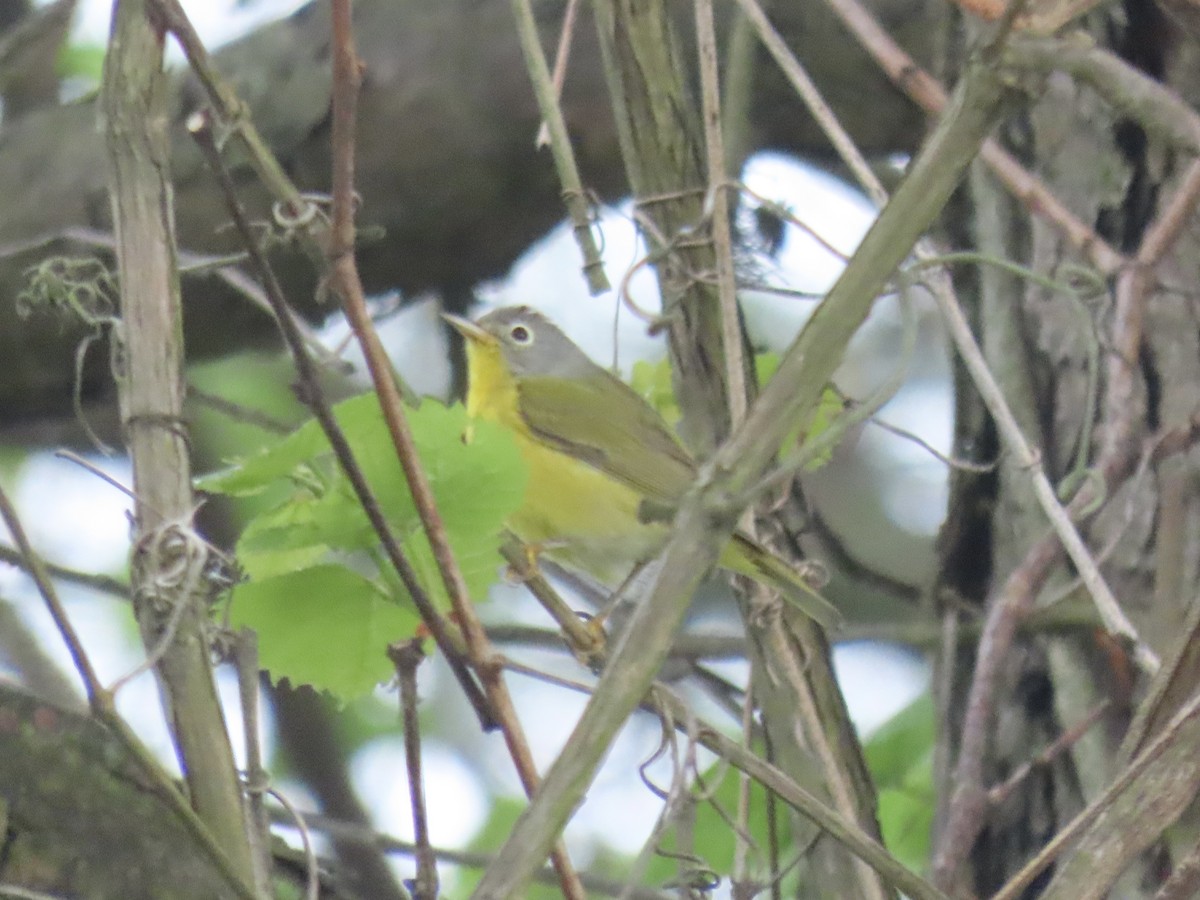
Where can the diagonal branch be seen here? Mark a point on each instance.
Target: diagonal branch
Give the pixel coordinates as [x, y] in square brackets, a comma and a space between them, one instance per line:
[546, 89]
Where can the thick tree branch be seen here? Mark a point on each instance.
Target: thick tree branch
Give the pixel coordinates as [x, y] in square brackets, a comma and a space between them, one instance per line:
[151, 383]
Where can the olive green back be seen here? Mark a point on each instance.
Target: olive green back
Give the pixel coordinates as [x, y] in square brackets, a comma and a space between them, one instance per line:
[576, 406]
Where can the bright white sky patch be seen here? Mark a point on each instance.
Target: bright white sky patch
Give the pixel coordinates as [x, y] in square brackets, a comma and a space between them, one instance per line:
[915, 496]
[73, 517]
[216, 21]
[454, 798]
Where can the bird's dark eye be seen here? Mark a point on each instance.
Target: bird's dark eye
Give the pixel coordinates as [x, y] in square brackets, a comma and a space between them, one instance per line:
[521, 334]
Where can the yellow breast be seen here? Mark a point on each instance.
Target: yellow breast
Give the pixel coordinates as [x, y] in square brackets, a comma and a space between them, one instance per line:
[572, 511]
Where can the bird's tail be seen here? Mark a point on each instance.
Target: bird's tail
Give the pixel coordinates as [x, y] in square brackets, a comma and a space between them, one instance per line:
[747, 557]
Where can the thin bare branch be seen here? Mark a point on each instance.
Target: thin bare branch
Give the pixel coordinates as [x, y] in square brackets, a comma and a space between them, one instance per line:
[346, 283]
[407, 658]
[1176, 743]
[1132, 294]
[351, 831]
[842, 143]
[233, 112]
[105, 583]
[546, 90]
[33, 564]
[245, 657]
[562, 56]
[717, 208]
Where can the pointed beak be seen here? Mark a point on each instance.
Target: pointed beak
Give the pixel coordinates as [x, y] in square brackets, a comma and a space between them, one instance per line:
[469, 329]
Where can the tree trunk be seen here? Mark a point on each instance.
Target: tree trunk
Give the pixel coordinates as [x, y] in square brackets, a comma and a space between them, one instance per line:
[1060, 356]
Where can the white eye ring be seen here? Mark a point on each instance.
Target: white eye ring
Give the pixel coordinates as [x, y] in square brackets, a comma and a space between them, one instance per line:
[521, 334]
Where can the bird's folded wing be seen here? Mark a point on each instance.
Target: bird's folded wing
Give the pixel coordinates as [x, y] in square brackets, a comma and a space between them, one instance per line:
[605, 423]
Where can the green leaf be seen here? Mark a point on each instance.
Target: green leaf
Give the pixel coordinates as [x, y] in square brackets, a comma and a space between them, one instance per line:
[901, 743]
[260, 393]
[830, 407]
[477, 486]
[906, 819]
[765, 365]
[359, 417]
[84, 61]
[900, 757]
[653, 381]
[320, 526]
[325, 625]
[272, 542]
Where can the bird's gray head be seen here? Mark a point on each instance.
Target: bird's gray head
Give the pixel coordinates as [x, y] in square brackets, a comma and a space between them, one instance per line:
[533, 345]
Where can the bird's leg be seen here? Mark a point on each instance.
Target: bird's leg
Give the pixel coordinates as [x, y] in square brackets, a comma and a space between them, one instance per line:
[586, 644]
[532, 552]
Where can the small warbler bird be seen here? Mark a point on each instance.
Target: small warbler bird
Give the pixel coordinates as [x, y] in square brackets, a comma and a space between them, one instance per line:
[599, 456]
